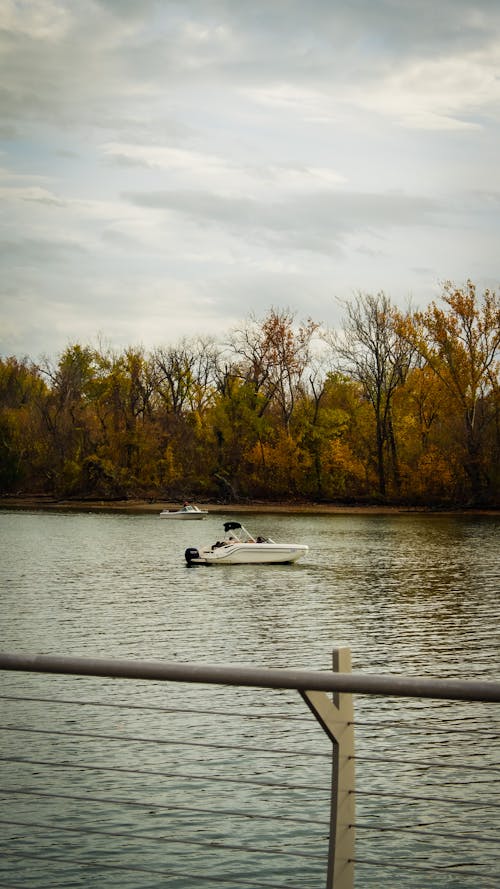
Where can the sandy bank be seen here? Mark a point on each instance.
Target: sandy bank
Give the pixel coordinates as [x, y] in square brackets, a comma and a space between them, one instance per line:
[290, 508]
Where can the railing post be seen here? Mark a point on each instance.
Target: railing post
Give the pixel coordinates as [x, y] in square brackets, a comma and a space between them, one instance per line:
[337, 719]
[341, 852]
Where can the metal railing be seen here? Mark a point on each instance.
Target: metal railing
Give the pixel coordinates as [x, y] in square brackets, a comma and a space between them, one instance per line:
[327, 695]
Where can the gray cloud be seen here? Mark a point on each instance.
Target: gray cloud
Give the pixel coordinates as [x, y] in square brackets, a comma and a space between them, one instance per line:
[311, 222]
[70, 66]
[164, 162]
[31, 252]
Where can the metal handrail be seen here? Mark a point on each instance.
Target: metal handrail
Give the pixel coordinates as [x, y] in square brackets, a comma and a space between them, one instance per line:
[299, 680]
[328, 694]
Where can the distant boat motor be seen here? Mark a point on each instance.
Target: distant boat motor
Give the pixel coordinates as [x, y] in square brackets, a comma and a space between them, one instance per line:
[191, 554]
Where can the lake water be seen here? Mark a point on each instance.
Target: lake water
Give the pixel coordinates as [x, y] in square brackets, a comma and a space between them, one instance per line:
[409, 594]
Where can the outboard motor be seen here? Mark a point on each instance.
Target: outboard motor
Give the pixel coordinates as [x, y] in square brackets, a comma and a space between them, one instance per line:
[191, 553]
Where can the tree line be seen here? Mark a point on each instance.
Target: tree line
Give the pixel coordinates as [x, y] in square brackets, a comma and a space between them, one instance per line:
[393, 407]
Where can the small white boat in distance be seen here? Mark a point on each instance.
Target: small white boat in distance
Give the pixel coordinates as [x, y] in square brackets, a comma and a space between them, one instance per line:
[186, 512]
[238, 547]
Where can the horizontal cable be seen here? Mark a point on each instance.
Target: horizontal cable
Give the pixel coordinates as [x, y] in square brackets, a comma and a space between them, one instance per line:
[131, 738]
[161, 774]
[212, 844]
[458, 870]
[156, 708]
[423, 727]
[419, 763]
[428, 799]
[255, 782]
[396, 828]
[425, 763]
[380, 725]
[136, 868]
[43, 794]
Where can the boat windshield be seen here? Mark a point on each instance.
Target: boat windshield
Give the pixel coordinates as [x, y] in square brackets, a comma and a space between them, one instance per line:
[237, 533]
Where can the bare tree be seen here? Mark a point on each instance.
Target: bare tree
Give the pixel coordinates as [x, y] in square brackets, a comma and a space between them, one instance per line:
[272, 355]
[186, 374]
[372, 351]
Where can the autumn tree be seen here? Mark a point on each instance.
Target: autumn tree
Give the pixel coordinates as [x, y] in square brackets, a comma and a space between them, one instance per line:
[371, 350]
[332, 430]
[22, 396]
[263, 382]
[460, 344]
[429, 469]
[67, 416]
[185, 374]
[272, 355]
[402, 405]
[185, 385]
[126, 456]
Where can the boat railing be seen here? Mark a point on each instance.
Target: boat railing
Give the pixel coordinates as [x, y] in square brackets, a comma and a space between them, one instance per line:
[135, 782]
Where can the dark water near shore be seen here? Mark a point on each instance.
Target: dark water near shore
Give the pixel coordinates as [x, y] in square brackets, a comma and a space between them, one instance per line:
[416, 595]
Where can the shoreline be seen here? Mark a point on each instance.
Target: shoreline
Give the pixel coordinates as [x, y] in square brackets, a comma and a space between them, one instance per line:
[289, 508]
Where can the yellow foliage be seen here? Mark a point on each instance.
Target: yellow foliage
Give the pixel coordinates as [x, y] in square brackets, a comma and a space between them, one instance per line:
[435, 477]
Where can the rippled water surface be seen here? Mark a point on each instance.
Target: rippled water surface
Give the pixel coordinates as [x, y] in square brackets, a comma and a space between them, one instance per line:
[410, 594]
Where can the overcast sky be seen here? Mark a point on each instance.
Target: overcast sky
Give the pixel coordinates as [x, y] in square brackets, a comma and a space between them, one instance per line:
[166, 168]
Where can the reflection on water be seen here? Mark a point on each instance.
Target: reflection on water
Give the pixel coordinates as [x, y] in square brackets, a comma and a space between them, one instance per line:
[412, 594]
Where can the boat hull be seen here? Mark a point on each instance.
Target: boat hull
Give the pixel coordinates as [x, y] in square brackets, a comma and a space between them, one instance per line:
[248, 554]
[184, 515]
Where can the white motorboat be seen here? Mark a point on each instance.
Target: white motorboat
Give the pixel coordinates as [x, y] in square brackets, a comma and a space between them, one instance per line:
[238, 547]
[186, 512]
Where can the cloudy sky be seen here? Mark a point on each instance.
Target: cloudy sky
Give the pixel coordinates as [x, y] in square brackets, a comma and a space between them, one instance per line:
[167, 168]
